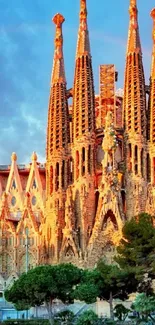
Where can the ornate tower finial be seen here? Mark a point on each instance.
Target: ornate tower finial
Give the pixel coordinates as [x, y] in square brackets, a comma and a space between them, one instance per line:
[83, 44]
[34, 156]
[133, 3]
[133, 36]
[83, 10]
[13, 156]
[58, 73]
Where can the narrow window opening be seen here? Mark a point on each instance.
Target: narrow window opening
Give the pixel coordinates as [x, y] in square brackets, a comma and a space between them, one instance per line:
[57, 177]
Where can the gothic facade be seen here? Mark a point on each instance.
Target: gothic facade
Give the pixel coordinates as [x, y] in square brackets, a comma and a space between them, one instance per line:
[100, 163]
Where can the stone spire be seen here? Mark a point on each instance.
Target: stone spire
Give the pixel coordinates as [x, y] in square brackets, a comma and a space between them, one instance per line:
[83, 131]
[83, 95]
[133, 37]
[58, 139]
[58, 73]
[134, 119]
[83, 44]
[151, 121]
[134, 88]
[58, 117]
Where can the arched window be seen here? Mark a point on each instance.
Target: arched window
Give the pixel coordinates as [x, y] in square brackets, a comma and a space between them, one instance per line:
[130, 157]
[136, 160]
[77, 164]
[57, 177]
[142, 162]
[83, 161]
[148, 168]
[63, 174]
[89, 159]
[51, 179]
[71, 170]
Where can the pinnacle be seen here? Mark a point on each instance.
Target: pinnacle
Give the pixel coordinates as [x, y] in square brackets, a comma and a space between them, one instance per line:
[58, 73]
[152, 13]
[58, 20]
[83, 44]
[83, 9]
[133, 3]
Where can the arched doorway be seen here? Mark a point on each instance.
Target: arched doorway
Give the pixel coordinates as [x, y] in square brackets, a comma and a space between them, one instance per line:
[109, 218]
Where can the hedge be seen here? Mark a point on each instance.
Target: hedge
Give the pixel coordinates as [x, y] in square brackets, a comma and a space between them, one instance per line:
[26, 322]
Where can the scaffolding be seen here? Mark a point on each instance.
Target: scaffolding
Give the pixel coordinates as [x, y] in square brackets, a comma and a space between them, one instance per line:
[108, 76]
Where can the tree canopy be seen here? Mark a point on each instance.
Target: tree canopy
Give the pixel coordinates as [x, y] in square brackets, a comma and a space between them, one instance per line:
[145, 305]
[105, 282]
[137, 250]
[44, 284]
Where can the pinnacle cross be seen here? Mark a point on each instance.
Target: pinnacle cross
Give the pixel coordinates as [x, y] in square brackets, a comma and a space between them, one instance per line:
[58, 64]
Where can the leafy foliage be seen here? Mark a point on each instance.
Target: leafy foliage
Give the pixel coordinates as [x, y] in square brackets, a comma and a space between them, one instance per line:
[137, 249]
[105, 282]
[145, 305]
[44, 284]
[138, 243]
[87, 318]
[119, 282]
[66, 317]
[121, 312]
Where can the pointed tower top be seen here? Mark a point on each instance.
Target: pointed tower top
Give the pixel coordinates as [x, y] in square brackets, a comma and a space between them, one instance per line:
[58, 20]
[83, 9]
[34, 156]
[13, 156]
[134, 44]
[58, 73]
[133, 3]
[134, 87]
[83, 44]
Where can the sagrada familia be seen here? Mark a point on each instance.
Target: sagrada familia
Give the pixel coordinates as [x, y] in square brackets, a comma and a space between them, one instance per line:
[100, 163]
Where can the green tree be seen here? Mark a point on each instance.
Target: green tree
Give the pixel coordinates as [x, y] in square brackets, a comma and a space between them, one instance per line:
[121, 312]
[44, 284]
[105, 282]
[137, 249]
[145, 305]
[115, 283]
[87, 318]
[65, 317]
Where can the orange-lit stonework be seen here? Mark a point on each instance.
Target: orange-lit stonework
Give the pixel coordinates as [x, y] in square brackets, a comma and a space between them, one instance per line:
[100, 163]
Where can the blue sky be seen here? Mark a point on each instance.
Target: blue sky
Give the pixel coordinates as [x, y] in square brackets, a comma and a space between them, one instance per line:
[26, 54]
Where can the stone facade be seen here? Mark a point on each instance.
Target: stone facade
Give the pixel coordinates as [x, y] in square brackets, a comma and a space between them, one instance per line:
[100, 163]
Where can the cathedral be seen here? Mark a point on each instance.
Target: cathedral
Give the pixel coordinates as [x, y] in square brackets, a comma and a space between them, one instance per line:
[100, 162]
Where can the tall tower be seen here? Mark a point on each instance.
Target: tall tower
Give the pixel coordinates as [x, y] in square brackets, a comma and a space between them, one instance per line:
[151, 115]
[135, 118]
[83, 139]
[57, 146]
